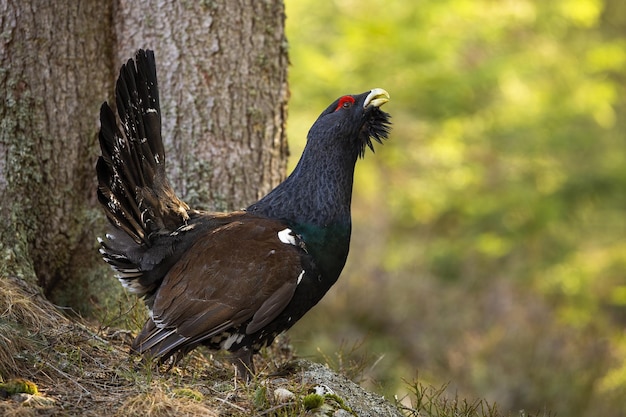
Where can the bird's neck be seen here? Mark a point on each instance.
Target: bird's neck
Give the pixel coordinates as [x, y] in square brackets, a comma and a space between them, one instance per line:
[317, 193]
[315, 202]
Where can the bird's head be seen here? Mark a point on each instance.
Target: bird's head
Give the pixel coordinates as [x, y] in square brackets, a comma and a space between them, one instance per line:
[354, 120]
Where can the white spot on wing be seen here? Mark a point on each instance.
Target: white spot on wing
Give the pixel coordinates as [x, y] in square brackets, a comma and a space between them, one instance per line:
[186, 227]
[230, 340]
[157, 321]
[131, 285]
[300, 277]
[287, 237]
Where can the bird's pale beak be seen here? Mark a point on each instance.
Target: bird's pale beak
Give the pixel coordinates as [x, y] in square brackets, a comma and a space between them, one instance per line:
[376, 98]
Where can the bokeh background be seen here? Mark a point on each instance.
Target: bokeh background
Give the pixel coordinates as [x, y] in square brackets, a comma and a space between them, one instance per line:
[489, 245]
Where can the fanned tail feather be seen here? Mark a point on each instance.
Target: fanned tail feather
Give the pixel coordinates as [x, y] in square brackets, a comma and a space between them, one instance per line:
[132, 185]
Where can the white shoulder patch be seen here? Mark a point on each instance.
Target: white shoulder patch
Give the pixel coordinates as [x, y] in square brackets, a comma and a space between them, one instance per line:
[286, 236]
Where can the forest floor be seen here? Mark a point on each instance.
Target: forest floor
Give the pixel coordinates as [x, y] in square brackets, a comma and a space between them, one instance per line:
[51, 365]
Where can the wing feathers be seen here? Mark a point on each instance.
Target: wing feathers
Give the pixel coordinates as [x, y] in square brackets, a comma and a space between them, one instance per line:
[272, 307]
[248, 277]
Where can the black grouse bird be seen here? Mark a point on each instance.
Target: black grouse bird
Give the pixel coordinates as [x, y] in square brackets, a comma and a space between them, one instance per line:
[229, 281]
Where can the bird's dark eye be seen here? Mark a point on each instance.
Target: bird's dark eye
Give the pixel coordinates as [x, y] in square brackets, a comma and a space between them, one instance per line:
[345, 102]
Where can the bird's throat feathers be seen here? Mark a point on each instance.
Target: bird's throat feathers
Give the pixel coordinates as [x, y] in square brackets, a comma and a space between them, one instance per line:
[318, 192]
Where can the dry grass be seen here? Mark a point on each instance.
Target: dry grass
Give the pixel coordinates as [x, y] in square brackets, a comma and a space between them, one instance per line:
[86, 370]
[24, 321]
[432, 402]
[160, 403]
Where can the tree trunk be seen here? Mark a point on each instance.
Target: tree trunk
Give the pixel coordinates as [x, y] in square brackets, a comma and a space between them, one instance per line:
[52, 79]
[222, 73]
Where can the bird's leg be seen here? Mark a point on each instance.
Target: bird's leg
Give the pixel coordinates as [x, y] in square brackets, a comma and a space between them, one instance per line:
[242, 359]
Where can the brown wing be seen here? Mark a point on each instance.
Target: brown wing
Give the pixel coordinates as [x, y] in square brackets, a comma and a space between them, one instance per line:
[234, 273]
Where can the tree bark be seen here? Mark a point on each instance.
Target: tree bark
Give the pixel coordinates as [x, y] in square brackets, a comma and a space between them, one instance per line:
[53, 79]
[222, 75]
[222, 68]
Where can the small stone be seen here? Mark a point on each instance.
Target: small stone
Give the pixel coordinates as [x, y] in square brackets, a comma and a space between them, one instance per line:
[322, 389]
[279, 381]
[33, 400]
[283, 395]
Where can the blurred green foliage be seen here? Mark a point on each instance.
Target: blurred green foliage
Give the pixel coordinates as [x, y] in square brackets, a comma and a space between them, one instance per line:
[489, 248]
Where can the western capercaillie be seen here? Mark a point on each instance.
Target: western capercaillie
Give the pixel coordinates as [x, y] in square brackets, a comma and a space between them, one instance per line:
[234, 280]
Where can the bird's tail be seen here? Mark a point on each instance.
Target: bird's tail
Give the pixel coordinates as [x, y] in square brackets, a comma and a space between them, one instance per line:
[132, 185]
